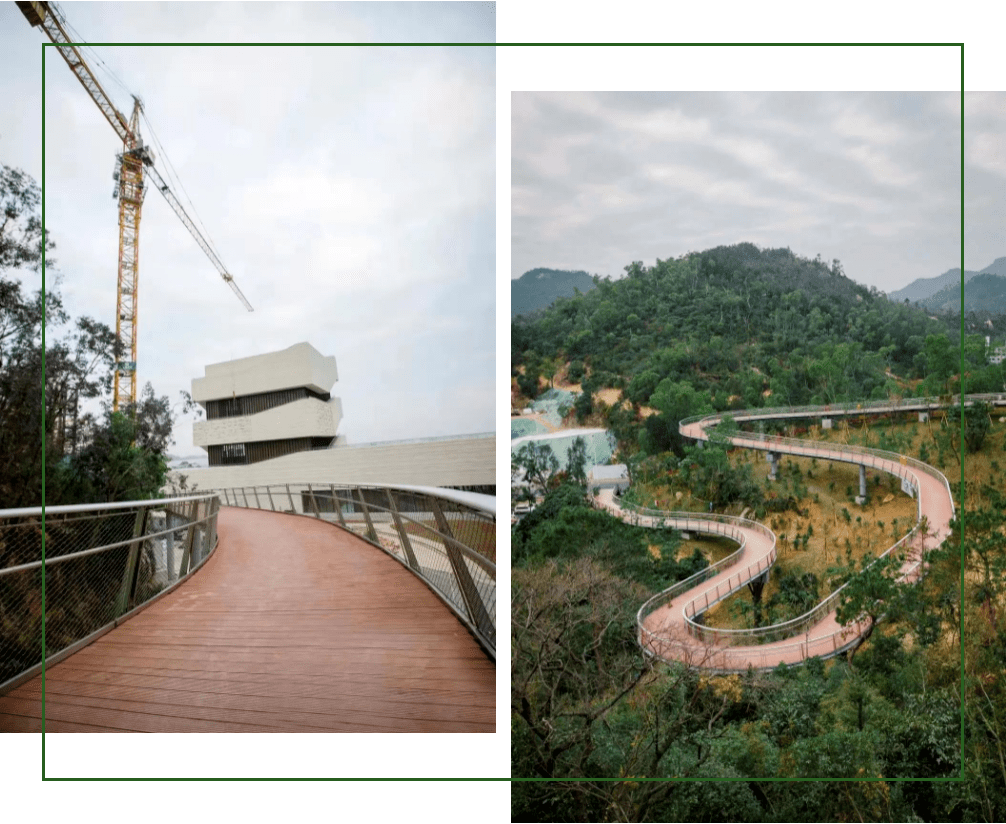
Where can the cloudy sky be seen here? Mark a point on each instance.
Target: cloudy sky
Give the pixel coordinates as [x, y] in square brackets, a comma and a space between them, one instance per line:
[350, 191]
[873, 179]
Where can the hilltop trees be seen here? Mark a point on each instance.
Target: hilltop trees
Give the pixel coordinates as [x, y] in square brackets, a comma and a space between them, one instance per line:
[49, 393]
[731, 328]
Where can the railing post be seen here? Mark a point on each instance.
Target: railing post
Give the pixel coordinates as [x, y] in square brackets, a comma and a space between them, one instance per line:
[190, 536]
[402, 534]
[289, 494]
[473, 601]
[214, 511]
[258, 504]
[314, 503]
[337, 503]
[272, 506]
[127, 590]
[371, 532]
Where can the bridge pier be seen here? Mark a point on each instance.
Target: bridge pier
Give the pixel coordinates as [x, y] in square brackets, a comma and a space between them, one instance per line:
[773, 465]
[862, 485]
[923, 417]
[826, 423]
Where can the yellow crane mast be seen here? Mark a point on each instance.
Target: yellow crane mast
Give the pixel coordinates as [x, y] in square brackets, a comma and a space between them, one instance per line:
[135, 161]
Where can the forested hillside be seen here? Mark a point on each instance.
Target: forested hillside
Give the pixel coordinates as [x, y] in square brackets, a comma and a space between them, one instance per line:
[738, 327]
[734, 327]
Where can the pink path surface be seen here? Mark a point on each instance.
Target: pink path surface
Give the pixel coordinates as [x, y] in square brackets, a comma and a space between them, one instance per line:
[667, 632]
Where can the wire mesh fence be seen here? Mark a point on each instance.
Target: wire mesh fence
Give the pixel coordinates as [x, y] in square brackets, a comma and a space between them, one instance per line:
[94, 564]
[448, 542]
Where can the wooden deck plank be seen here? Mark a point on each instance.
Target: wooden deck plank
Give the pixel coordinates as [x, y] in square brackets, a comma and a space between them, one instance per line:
[293, 625]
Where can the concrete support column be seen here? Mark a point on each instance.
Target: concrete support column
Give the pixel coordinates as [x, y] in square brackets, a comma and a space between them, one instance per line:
[862, 485]
[923, 417]
[773, 465]
[826, 423]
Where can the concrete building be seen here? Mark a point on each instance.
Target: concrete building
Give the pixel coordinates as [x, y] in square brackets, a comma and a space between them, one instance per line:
[614, 476]
[271, 420]
[267, 406]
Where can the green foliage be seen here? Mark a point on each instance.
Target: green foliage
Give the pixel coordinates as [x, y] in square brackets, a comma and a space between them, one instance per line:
[86, 459]
[977, 423]
[576, 462]
[734, 323]
[732, 328]
[124, 460]
[795, 594]
[538, 462]
[707, 471]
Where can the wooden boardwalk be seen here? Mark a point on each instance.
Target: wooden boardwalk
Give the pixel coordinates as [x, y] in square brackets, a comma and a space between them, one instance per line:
[292, 626]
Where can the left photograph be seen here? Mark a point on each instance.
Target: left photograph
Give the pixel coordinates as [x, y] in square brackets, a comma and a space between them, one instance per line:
[247, 424]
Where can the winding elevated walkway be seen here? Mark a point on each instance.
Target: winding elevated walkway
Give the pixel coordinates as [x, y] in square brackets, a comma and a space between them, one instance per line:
[667, 624]
[292, 625]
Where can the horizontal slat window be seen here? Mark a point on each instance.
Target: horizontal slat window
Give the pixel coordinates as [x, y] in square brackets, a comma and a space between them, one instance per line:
[253, 404]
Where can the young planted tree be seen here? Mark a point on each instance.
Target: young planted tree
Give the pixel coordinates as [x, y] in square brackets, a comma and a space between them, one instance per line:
[871, 592]
[576, 462]
[538, 463]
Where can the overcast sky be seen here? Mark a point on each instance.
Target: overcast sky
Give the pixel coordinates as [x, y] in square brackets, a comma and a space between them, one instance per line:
[350, 191]
[872, 178]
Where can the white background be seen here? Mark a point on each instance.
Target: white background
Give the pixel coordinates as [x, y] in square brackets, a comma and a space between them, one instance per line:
[517, 69]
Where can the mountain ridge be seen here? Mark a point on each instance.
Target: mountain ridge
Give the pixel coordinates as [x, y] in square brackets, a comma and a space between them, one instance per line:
[540, 288]
[921, 289]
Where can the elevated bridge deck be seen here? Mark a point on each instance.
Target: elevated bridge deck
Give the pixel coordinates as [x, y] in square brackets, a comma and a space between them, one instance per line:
[292, 625]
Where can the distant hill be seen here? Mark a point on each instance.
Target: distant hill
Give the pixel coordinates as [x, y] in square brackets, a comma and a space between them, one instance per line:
[984, 294]
[539, 288]
[918, 291]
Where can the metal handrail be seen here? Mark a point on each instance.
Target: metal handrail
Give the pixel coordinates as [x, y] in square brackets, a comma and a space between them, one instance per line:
[890, 462]
[463, 576]
[108, 560]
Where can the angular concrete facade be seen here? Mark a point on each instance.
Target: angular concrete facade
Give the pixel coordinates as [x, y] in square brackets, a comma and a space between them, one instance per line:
[267, 406]
[270, 418]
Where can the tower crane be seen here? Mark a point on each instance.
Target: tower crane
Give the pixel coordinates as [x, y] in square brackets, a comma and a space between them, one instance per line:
[135, 161]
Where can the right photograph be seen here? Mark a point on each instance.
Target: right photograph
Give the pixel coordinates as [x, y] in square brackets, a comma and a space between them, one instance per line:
[758, 456]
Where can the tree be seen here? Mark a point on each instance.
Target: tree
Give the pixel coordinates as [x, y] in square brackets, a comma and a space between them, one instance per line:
[86, 460]
[576, 462]
[539, 464]
[675, 401]
[23, 397]
[870, 593]
[977, 423]
[125, 458]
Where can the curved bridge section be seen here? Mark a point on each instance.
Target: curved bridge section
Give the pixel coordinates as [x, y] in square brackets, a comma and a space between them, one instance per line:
[667, 623]
[290, 625]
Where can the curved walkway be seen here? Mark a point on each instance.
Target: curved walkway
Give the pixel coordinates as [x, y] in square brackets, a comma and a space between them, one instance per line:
[293, 625]
[667, 628]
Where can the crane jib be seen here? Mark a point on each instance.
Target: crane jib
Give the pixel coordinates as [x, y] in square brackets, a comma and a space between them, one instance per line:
[129, 190]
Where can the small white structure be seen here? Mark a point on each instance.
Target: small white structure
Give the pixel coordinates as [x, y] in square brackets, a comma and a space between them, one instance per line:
[613, 476]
